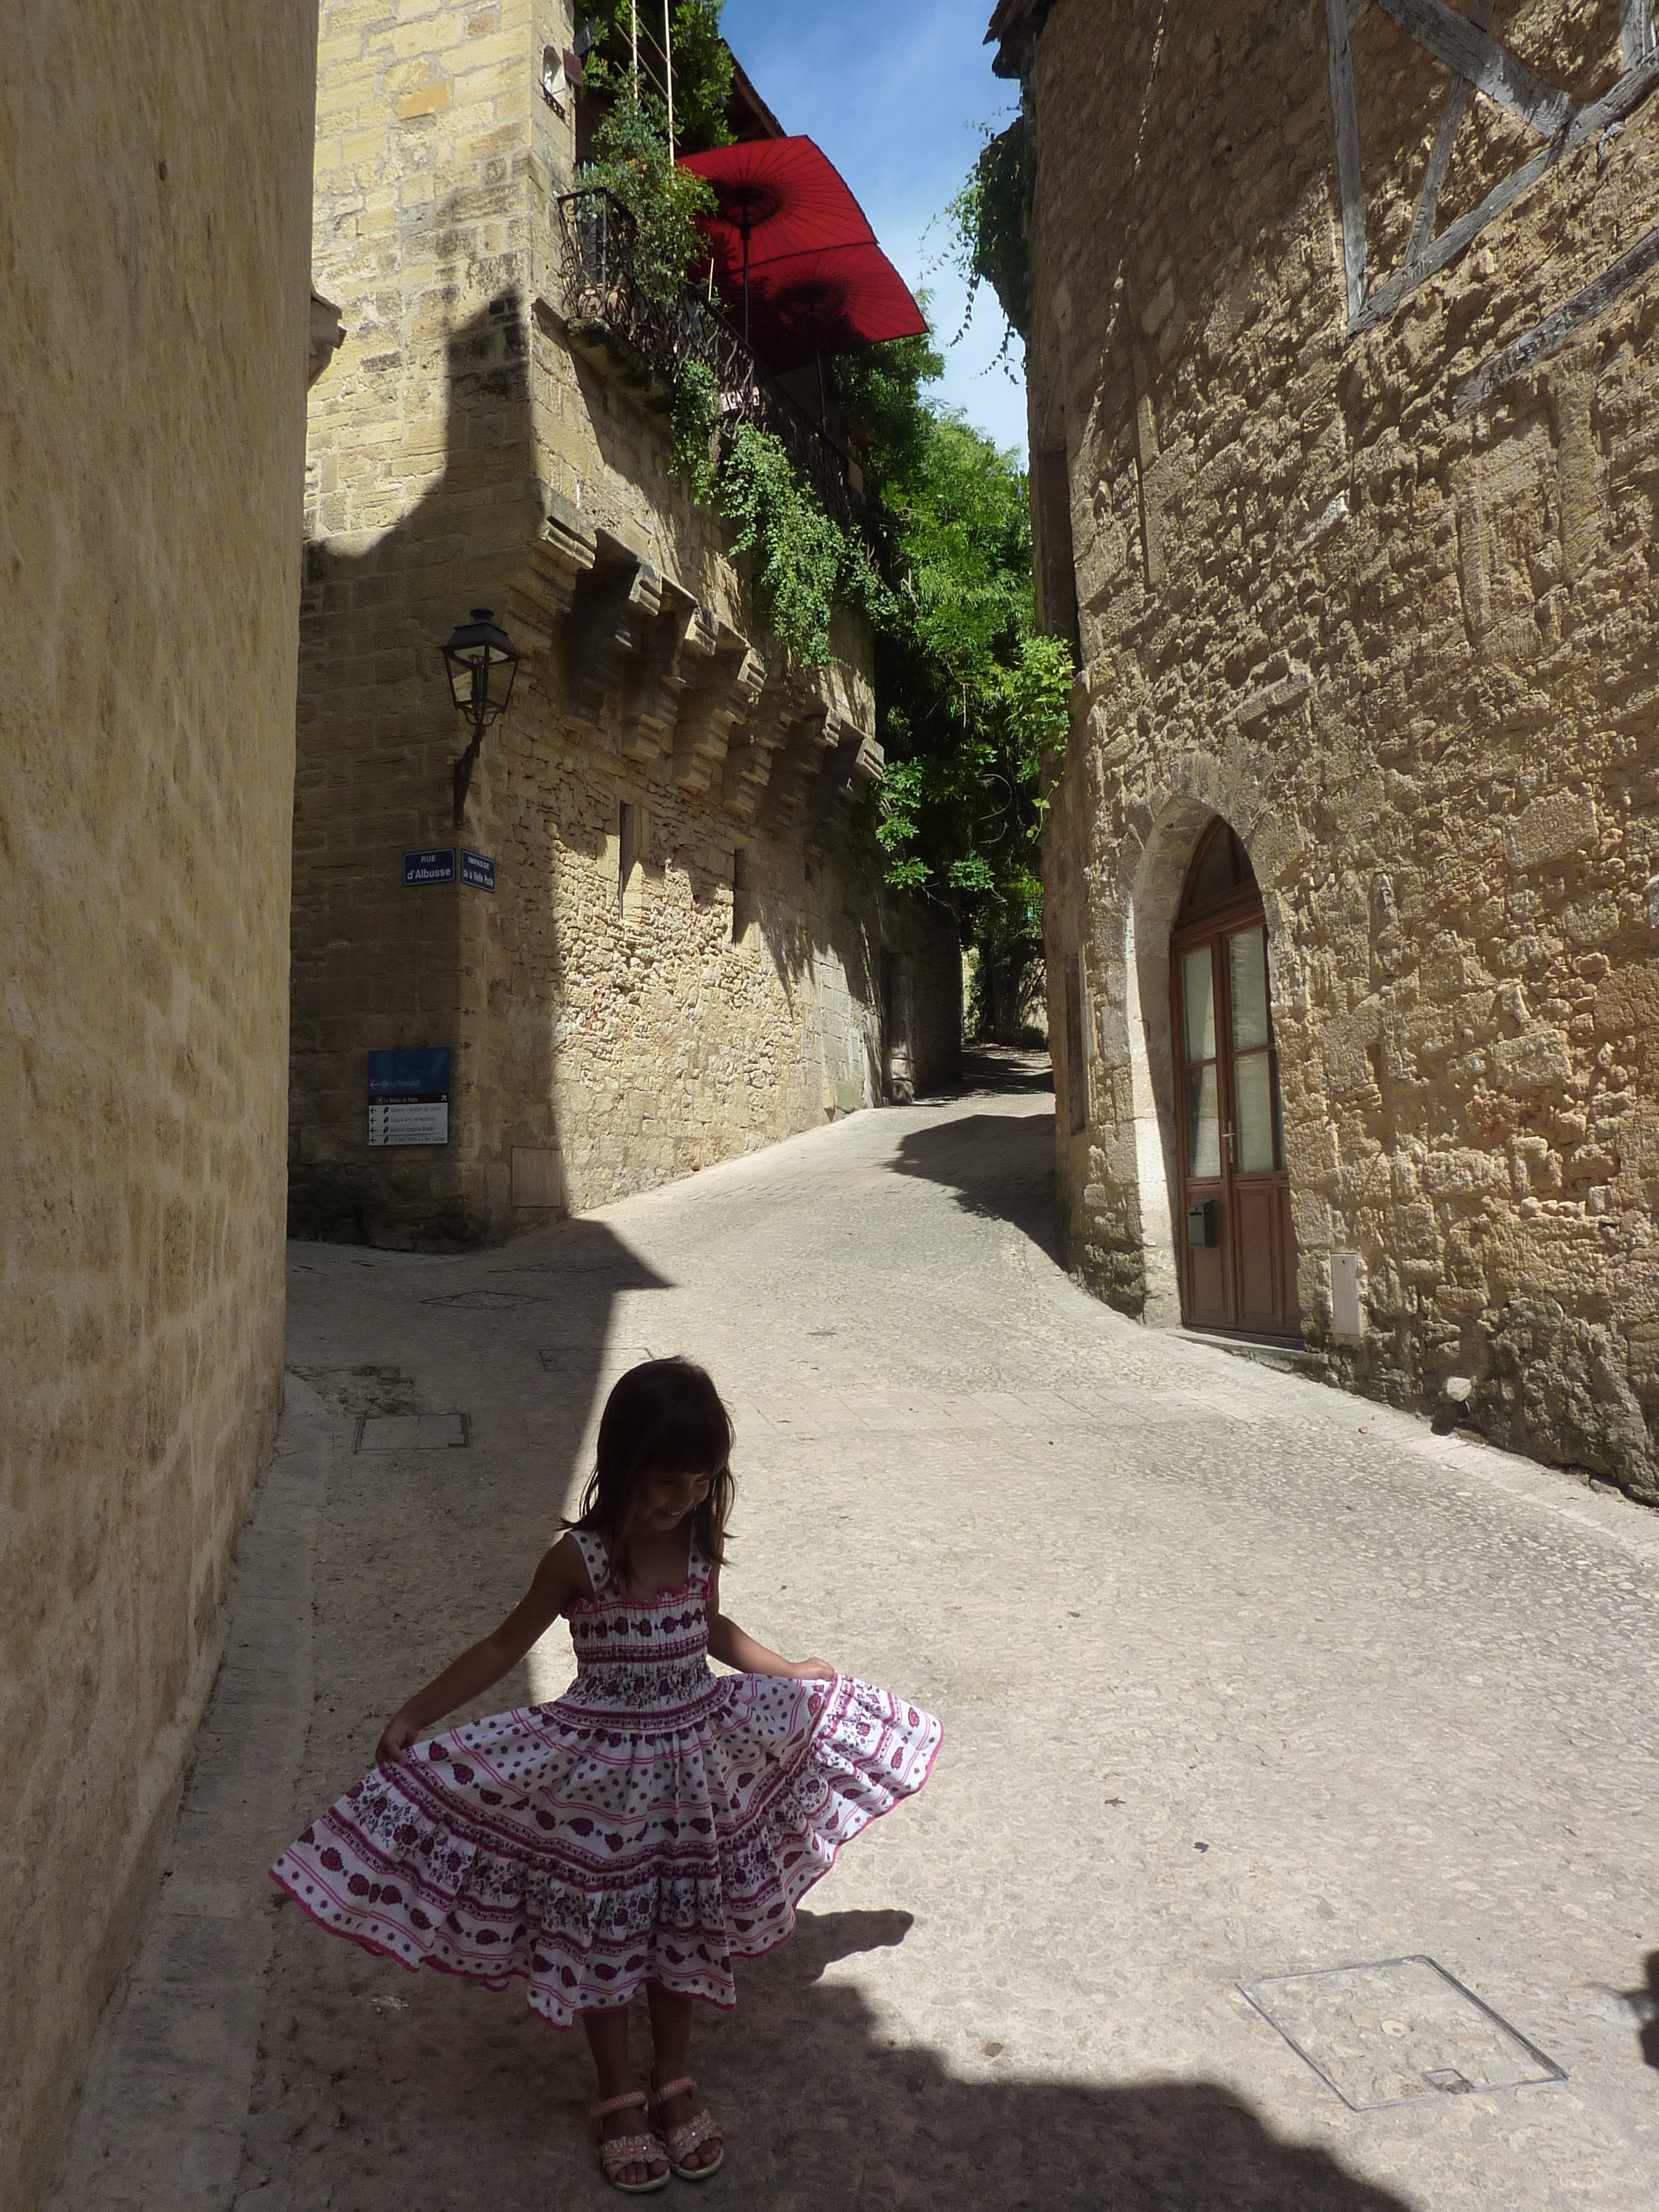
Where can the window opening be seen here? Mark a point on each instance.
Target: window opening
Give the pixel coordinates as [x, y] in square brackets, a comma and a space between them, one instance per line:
[1221, 867]
[628, 833]
[740, 894]
[1076, 1073]
[1055, 567]
[1202, 1064]
[1256, 1070]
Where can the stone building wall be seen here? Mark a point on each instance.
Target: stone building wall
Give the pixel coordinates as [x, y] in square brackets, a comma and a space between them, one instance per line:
[154, 235]
[466, 451]
[1403, 641]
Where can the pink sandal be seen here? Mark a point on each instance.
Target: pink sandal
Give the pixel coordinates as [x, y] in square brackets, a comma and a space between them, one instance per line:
[682, 2140]
[617, 2153]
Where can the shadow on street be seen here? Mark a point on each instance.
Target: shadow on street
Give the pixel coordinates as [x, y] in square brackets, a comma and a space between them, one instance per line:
[1002, 1067]
[823, 2112]
[1000, 1166]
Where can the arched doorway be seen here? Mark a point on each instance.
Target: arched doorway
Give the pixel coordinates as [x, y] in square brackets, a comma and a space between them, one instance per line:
[1238, 1254]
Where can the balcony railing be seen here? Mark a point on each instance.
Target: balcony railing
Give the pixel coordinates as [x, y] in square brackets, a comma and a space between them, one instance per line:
[602, 288]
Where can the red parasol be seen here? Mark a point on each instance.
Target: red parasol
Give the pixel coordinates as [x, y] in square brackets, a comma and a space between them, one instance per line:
[778, 196]
[807, 305]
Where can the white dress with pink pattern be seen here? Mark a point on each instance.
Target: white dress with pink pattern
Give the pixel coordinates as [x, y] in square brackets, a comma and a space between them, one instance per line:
[651, 1824]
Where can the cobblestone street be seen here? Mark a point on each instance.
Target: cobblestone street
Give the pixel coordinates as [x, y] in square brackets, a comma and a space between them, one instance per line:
[1240, 1678]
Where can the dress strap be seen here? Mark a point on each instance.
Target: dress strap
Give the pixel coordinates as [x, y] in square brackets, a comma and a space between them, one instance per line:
[594, 1557]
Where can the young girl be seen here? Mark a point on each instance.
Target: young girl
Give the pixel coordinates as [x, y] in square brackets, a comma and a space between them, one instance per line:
[648, 1826]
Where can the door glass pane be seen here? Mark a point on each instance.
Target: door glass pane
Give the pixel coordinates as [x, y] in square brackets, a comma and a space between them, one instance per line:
[1203, 1121]
[1197, 1003]
[1247, 977]
[1253, 1095]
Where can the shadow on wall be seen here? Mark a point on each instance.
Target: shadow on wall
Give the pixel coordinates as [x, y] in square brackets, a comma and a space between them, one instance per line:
[460, 2083]
[999, 1166]
[378, 966]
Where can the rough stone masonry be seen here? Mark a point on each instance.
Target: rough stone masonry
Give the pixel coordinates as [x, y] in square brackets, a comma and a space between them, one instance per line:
[689, 951]
[155, 222]
[1342, 403]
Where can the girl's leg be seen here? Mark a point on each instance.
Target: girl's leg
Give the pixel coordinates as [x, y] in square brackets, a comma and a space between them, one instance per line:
[607, 2038]
[671, 2041]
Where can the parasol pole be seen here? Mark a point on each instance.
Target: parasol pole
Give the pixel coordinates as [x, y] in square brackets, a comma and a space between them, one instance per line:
[668, 73]
[744, 228]
[633, 42]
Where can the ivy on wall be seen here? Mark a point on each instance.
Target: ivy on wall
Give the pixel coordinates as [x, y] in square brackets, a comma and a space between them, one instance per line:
[989, 218]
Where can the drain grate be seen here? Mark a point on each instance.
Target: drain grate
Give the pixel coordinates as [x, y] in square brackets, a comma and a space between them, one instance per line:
[1398, 2028]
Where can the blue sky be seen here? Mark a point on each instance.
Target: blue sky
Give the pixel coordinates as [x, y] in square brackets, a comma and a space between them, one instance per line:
[891, 90]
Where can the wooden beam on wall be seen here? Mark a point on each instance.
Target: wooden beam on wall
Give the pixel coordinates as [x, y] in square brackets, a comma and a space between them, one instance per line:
[1345, 116]
[1490, 67]
[1451, 118]
[1632, 90]
[1561, 324]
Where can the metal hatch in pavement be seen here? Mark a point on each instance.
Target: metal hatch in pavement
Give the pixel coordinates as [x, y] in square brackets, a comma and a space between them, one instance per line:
[1398, 2028]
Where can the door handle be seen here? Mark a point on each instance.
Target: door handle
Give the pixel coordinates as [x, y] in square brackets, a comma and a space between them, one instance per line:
[1227, 1139]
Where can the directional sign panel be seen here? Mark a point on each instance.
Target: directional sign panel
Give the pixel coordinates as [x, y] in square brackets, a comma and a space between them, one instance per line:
[408, 1096]
[479, 869]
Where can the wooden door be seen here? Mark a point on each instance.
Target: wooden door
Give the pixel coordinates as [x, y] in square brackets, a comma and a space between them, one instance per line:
[1237, 1253]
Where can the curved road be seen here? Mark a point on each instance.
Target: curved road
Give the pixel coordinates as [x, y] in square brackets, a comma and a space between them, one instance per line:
[1242, 1679]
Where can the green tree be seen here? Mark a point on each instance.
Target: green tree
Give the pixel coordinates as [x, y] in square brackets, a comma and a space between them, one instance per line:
[702, 63]
[970, 696]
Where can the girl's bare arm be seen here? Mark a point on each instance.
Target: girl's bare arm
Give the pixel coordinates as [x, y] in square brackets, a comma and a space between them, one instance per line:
[729, 1644]
[559, 1578]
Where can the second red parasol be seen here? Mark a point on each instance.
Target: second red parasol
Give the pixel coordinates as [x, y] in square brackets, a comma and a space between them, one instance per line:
[777, 197]
[808, 305]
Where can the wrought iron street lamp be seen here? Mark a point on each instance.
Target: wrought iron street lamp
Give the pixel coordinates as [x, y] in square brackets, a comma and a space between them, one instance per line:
[482, 665]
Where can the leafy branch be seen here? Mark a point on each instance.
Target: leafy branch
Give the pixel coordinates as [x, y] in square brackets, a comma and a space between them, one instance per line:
[989, 218]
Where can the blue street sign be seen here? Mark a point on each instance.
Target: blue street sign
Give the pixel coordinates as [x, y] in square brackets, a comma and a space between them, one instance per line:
[419, 1072]
[477, 869]
[434, 867]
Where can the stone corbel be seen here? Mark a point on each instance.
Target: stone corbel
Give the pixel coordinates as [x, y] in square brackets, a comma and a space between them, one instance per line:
[614, 606]
[812, 739]
[752, 752]
[851, 770]
[731, 681]
[673, 643]
[544, 590]
[834, 773]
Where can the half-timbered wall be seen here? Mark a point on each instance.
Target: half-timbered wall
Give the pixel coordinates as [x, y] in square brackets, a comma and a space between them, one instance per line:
[1351, 355]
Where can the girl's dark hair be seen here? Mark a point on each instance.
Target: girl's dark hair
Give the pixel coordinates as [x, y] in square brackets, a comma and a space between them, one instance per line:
[664, 1417]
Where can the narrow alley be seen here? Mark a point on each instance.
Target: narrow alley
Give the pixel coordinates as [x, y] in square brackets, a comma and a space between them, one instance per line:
[1241, 1678]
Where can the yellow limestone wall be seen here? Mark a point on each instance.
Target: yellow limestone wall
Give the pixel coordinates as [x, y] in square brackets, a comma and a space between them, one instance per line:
[465, 451]
[155, 228]
[1406, 649]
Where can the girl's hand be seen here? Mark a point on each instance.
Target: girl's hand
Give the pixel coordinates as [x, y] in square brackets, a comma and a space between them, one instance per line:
[812, 1670]
[398, 1735]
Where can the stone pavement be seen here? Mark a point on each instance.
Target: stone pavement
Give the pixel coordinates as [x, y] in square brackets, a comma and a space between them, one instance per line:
[1240, 1678]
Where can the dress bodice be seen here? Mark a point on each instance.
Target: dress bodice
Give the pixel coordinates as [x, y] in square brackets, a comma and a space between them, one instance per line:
[639, 1653]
